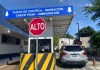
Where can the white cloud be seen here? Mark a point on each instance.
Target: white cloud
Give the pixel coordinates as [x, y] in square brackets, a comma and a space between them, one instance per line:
[90, 5]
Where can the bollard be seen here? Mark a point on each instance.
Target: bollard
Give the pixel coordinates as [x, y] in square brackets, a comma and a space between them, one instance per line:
[94, 62]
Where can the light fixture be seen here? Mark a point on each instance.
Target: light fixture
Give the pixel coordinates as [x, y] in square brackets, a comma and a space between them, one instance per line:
[8, 30]
[26, 21]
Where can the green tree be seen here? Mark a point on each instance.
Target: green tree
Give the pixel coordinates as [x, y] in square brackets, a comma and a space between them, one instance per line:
[96, 39]
[93, 9]
[86, 32]
[56, 40]
[68, 36]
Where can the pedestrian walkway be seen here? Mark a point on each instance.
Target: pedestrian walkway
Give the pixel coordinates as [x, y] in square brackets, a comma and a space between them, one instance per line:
[11, 67]
[91, 63]
[3, 66]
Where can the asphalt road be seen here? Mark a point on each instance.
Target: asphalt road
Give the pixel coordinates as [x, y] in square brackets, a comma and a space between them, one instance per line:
[12, 66]
[64, 67]
[88, 66]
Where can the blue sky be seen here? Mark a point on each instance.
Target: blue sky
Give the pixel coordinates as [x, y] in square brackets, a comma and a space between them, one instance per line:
[77, 4]
[80, 17]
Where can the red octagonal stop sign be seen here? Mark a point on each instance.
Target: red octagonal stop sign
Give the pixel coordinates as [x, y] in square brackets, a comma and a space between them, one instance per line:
[37, 26]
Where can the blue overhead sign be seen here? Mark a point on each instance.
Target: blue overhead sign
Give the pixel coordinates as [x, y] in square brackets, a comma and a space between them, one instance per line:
[37, 12]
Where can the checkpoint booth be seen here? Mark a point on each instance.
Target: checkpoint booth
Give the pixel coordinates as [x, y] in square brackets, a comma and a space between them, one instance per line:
[46, 58]
[46, 23]
[40, 47]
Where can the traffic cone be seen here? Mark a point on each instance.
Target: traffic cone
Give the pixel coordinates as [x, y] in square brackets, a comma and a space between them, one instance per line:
[94, 62]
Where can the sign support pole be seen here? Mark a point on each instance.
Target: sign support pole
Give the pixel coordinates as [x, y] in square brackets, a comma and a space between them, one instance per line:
[36, 53]
[29, 50]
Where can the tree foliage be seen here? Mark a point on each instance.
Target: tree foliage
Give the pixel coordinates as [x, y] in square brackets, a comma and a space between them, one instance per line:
[86, 32]
[56, 40]
[68, 36]
[96, 39]
[93, 8]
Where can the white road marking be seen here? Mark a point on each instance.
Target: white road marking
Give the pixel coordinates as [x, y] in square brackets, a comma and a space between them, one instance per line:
[74, 69]
[97, 68]
[83, 69]
[92, 68]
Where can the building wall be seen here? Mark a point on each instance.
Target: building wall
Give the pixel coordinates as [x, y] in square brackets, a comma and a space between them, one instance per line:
[85, 42]
[5, 25]
[9, 52]
[65, 41]
[10, 48]
[7, 49]
[25, 46]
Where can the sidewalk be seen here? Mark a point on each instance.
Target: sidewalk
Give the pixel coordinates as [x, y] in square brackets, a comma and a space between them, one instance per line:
[3, 66]
[3, 62]
[91, 63]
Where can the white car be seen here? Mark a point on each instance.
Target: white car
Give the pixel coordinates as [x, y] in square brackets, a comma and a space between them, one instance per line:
[73, 54]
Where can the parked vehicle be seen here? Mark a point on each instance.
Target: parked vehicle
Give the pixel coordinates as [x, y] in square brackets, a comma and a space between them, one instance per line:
[56, 49]
[45, 48]
[73, 54]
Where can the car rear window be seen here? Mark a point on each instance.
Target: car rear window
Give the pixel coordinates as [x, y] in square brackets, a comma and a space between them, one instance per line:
[73, 48]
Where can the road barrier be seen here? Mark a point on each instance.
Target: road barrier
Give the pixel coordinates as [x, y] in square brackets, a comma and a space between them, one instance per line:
[46, 61]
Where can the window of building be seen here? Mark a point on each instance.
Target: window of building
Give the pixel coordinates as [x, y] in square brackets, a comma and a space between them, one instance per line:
[7, 39]
[25, 42]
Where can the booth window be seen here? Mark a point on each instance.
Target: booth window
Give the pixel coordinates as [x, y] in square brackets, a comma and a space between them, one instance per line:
[44, 46]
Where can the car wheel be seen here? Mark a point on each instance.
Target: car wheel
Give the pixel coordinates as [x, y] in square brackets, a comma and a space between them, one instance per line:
[59, 63]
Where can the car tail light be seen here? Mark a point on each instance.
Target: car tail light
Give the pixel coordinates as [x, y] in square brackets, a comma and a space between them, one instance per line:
[63, 53]
[84, 53]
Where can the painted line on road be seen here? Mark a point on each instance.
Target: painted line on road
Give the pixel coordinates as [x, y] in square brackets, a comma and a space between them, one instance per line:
[83, 69]
[77, 69]
[92, 68]
[73, 69]
[80, 69]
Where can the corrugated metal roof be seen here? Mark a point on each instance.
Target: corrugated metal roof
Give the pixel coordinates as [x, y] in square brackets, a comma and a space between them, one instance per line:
[60, 23]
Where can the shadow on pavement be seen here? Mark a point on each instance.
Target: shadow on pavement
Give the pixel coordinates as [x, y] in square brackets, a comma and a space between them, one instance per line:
[15, 63]
[59, 64]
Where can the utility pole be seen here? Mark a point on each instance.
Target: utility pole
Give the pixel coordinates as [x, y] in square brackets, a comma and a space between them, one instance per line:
[78, 32]
[69, 39]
